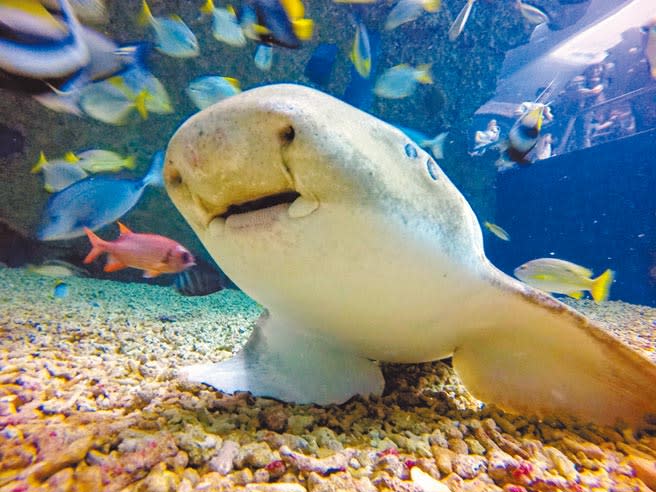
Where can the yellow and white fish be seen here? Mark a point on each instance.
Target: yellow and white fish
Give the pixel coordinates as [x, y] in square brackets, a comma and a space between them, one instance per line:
[101, 161]
[172, 36]
[112, 101]
[401, 81]
[564, 277]
[58, 173]
[459, 24]
[225, 25]
[408, 10]
[498, 231]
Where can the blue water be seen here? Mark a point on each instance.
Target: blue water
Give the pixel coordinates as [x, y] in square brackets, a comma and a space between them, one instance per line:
[595, 207]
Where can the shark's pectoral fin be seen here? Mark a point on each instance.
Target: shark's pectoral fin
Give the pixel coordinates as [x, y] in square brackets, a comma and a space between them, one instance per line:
[549, 360]
[281, 362]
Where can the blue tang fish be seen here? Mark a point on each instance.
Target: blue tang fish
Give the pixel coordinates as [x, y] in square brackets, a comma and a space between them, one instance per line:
[359, 92]
[94, 202]
[320, 65]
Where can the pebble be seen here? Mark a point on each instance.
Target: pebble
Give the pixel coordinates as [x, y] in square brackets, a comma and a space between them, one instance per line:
[222, 463]
[102, 381]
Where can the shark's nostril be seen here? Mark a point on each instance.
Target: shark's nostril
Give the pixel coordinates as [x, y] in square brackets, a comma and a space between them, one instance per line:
[287, 135]
[173, 176]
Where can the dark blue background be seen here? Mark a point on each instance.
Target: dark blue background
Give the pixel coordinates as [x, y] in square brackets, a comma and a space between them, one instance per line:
[595, 207]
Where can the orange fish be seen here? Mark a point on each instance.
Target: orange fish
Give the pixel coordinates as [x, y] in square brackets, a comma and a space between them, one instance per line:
[151, 253]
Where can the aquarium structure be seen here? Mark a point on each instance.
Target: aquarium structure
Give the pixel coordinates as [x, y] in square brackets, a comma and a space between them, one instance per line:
[319, 245]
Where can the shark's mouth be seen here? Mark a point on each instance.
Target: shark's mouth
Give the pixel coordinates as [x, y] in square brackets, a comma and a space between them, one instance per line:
[259, 204]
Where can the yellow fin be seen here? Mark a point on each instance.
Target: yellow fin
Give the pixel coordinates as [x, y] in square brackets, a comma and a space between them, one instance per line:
[130, 162]
[231, 10]
[293, 8]
[423, 74]
[601, 286]
[146, 16]
[71, 158]
[260, 30]
[48, 188]
[42, 161]
[432, 5]
[233, 82]
[140, 104]
[208, 8]
[576, 295]
[303, 28]
[176, 18]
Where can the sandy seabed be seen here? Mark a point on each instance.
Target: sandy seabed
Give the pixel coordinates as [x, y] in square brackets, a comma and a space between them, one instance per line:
[90, 400]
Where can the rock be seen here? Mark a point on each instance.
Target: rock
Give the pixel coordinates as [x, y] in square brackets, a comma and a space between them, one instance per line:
[337, 462]
[562, 463]
[222, 463]
[254, 455]
[338, 482]
[160, 480]
[273, 418]
[298, 424]
[69, 455]
[443, 459]
[468, 466]
[275, 487]
[425, 482]
[645, 470]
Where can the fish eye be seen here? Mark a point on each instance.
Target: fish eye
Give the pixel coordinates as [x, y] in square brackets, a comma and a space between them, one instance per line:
[287, 135]
[185, 257]
[432, 169]
[410, 151]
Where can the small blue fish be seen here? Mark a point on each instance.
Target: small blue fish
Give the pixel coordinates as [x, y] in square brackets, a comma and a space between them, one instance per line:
[205, 91]
[401, 81]
[60, 290]
[320, 66]
[225, 25]
[173, 37]
[94, 202]
[264, 57]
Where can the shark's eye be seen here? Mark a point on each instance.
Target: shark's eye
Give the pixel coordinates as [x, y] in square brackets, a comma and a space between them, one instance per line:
[410, 151]
[433, 170]
[287, 135]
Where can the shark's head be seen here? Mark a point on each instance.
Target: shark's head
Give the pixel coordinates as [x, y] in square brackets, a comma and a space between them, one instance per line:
[303, 199]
